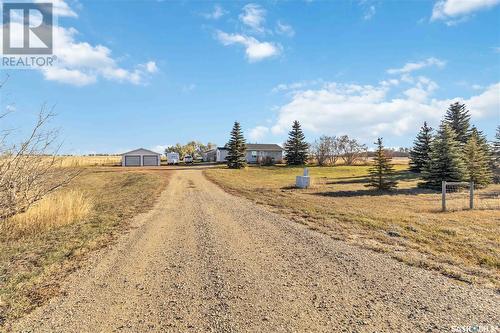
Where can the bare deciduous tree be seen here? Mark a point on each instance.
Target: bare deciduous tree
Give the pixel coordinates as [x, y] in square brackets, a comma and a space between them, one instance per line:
[328, 149]
[351, 150]
[29, 170]
[335, 150]
[193, 148]
[320, 149]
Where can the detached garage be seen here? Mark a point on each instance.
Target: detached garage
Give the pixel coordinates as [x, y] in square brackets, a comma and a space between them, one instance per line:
[140, 157]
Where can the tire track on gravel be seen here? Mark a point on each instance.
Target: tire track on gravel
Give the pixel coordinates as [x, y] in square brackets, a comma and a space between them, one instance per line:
[205, 261]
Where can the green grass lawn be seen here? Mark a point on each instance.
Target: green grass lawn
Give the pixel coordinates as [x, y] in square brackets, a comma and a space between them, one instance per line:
[405, 223]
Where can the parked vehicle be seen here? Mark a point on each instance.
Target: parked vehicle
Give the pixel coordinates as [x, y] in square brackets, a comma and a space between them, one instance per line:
[173, 158]
[188, 159]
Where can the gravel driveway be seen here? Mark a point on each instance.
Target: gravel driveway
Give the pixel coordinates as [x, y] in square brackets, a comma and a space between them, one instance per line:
[205, 261]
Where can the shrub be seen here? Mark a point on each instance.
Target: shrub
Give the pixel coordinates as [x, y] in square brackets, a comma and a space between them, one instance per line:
[266, 161]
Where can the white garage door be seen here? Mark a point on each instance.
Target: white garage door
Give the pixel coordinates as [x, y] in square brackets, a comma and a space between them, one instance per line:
[132, 161]
[150, 160]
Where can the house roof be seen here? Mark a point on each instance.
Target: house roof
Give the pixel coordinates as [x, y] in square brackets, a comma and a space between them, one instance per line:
[141, 151]
[264, 147]
[259, 146]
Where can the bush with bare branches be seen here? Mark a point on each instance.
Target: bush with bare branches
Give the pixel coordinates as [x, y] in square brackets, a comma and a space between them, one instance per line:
[28, 169]
[351, 150]
[326, 150]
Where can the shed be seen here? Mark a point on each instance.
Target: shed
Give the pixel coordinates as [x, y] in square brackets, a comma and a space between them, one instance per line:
[215, 155]
[141, 157]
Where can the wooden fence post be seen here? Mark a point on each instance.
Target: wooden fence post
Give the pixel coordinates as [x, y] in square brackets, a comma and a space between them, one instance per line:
[443, 195]
[471, 194]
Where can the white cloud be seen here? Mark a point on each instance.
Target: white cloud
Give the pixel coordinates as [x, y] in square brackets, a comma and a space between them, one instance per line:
[254, 16]
[151, 67]
[413, 66]
[216, 13]
[390, 82]
[258, 133]
[368, 8]
[60, 8]
[295, 85]
[369, 12]
[422, 90]
[160, 149]
[367, 111]
[71, 76]
[188, 88]
[459, 9]
[284, 29]
[486, 103]
[254, 49]
[80, 63]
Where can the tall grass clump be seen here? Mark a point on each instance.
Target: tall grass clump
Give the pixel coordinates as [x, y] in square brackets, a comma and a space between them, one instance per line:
[55, 210]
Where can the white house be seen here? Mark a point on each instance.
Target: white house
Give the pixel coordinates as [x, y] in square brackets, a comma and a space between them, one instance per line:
[141, 157]
[257, 152]
[254, 153]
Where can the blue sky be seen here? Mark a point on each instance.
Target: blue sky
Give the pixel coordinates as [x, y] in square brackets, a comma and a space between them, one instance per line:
[152, 73]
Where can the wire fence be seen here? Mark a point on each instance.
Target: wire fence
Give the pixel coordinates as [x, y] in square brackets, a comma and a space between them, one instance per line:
[487, 199]
[460, 196]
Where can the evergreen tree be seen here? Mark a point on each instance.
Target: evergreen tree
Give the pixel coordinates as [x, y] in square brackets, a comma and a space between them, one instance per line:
[458, 118]
[447, 161]
[236, 148]
[296, 147]
[496, 146]
[420, 152]
[485, 146]
[382, 170]
[477, 160]
[495, 151]
[481, 138]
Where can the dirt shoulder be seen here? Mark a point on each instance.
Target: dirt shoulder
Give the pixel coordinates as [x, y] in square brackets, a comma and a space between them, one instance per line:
[33, 266]
[205, 261]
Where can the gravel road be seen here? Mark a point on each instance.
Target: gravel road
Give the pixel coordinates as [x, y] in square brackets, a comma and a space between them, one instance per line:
[205, 261]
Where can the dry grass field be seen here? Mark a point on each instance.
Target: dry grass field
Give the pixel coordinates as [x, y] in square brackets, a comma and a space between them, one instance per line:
[40, 246]
[56, 210]
[407, 223]
[86, 161]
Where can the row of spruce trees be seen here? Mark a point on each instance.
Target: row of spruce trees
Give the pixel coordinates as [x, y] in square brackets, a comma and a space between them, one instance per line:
[456, 152]
[296, 147]
[296, 153]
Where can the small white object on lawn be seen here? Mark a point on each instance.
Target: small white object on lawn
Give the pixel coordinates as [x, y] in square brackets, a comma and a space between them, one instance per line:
[303, 181]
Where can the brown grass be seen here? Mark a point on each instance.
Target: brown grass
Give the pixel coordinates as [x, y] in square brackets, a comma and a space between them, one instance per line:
[80, 161]
[86, 161]
[56, 210]
[407, 223]
[59, 232]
